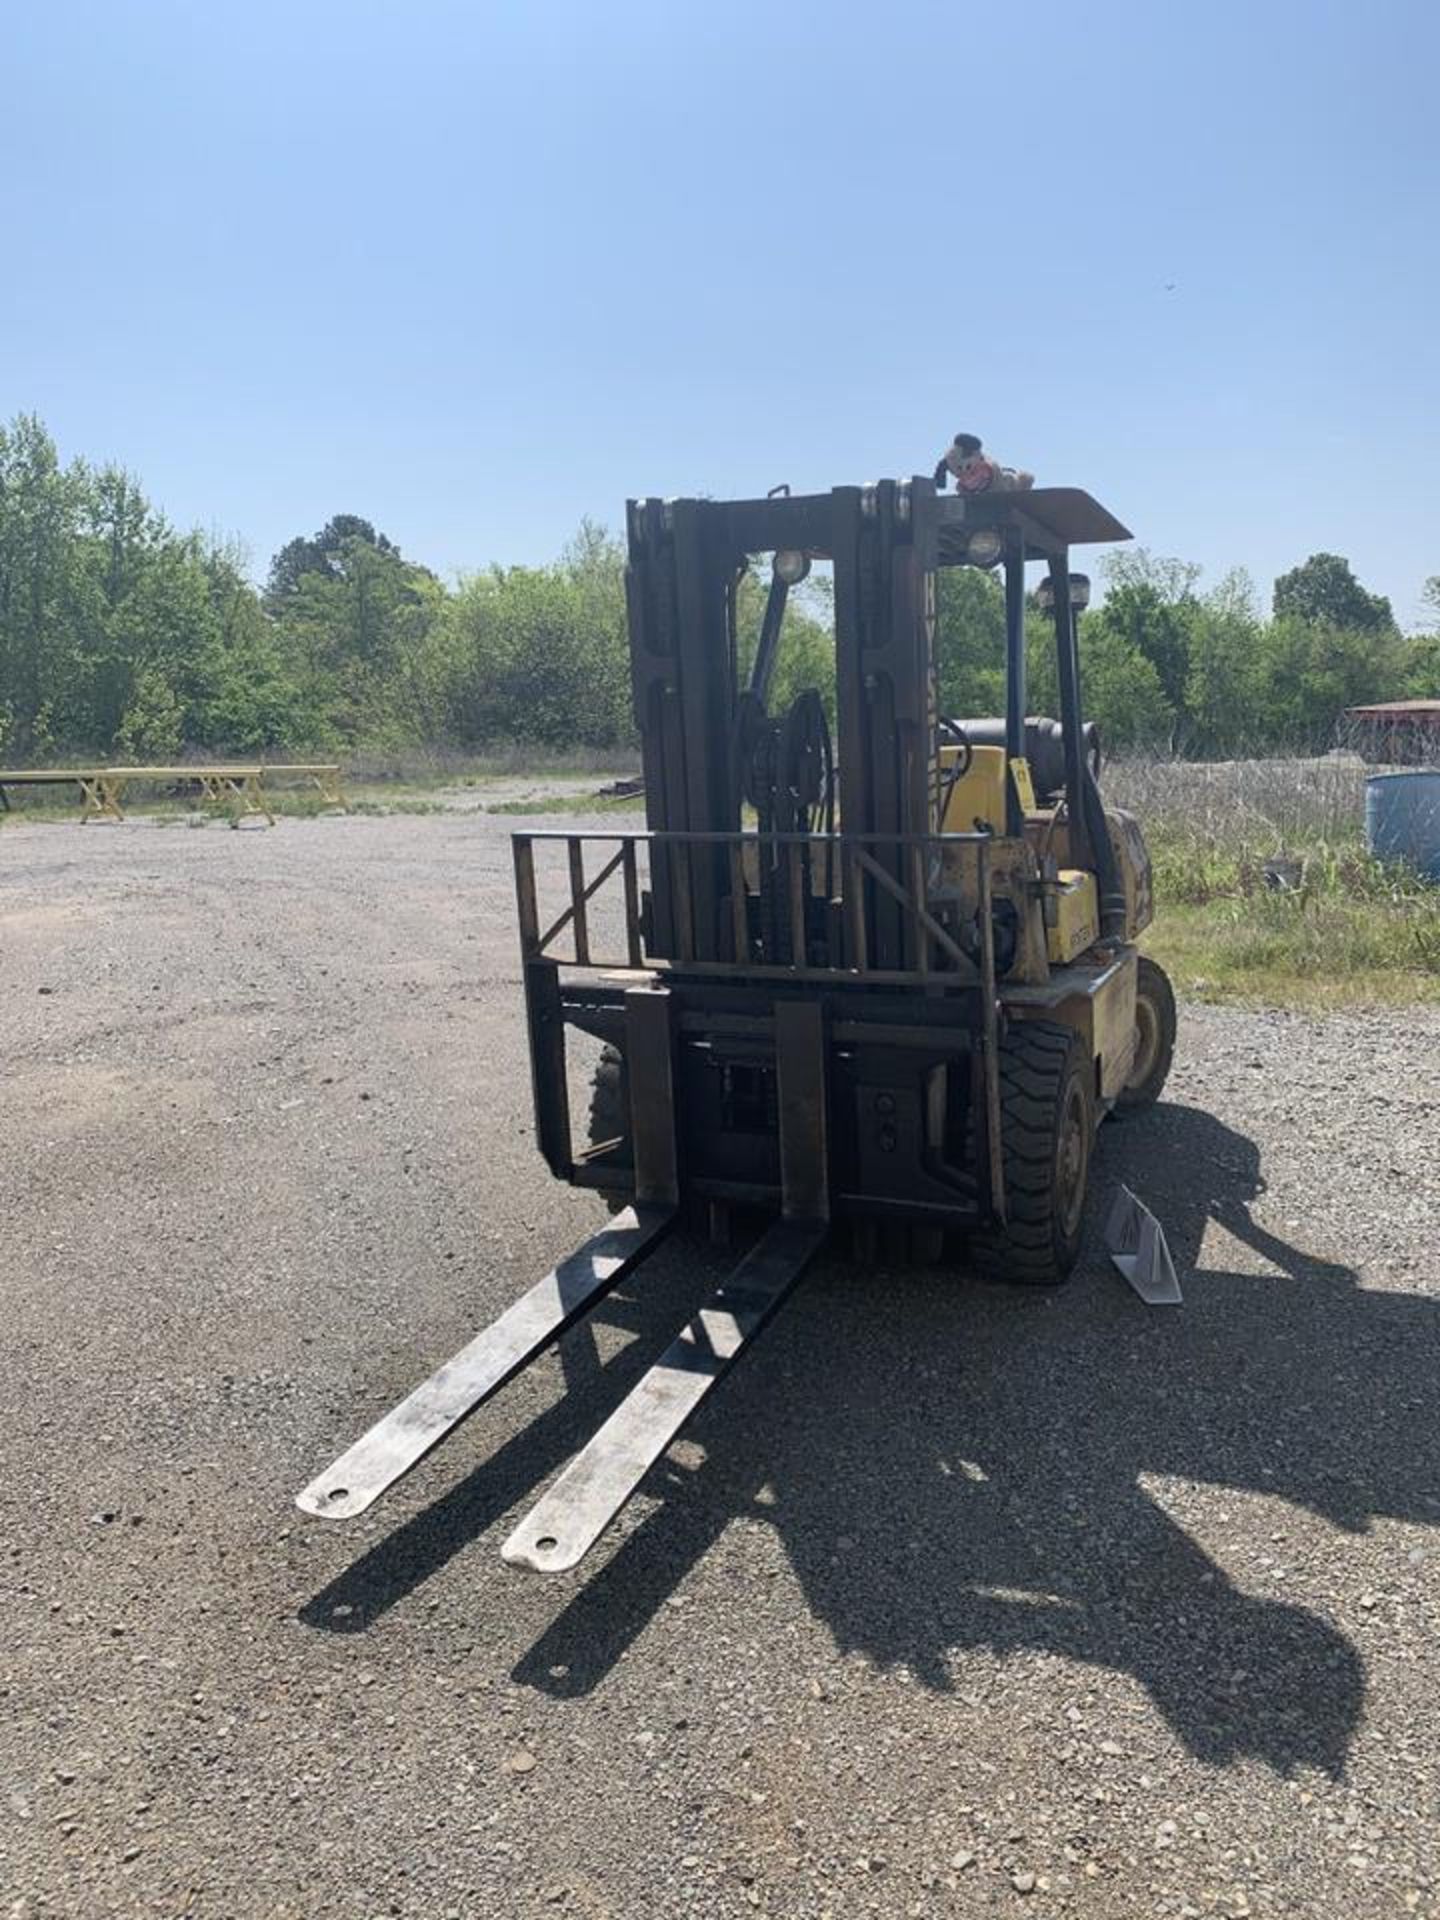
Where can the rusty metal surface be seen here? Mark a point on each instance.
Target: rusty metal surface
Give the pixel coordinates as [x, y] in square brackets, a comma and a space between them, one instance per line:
[872, 869]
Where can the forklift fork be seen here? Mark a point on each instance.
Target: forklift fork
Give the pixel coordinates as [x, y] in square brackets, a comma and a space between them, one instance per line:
[568, 1520]
[562, 1527]
[425, 1417]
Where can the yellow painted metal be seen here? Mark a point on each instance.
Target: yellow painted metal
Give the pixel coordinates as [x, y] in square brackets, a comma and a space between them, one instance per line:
[1049, 833]
[1024, 785]
[238, 792]
[238, 789]
[326, 778]
[1075, 925]
[1114, 1017]
[1096, 996]
[977, 799]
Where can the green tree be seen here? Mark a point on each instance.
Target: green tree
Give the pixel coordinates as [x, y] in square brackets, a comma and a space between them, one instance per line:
[241, 695]
[39, 504]
[1422, 666]
[355, 623]
[1159, 630]
[140, 608]
[1121, 689]
[1309, 673]
[1173, 579]
[153, 727]
[1324, 591]
[970, 643]
[1223, 683]
[540, 653]
[322, 553]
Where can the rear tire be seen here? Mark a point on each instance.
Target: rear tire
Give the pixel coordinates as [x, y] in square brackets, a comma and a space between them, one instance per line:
[1047, 1111]
[1154, 1039]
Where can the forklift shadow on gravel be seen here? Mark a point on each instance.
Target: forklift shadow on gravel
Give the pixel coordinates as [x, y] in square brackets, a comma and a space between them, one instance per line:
[1011, 1504]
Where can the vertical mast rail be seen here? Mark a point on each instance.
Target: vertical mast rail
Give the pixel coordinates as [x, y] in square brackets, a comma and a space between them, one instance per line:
[1015, 665]
[990, 1036]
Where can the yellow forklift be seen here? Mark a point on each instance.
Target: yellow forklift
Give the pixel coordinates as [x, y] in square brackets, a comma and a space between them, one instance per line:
[887, 978]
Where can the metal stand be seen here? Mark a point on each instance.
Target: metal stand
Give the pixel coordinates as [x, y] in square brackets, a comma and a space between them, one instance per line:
[1137, 1245]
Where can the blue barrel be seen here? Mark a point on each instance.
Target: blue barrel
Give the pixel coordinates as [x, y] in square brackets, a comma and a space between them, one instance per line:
[1402, 818]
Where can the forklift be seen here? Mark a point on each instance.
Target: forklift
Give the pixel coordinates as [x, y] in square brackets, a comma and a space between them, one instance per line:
[888, 979]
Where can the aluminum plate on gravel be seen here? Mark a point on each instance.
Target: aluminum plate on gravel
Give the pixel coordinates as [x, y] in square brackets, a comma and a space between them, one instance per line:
[562, 1527]
[421, 1421]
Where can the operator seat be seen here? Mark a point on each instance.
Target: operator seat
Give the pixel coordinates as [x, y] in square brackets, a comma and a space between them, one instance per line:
[1044, 749]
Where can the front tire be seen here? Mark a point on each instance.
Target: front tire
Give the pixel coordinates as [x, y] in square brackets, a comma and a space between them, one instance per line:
[1047, 1112]
[1154, 1039]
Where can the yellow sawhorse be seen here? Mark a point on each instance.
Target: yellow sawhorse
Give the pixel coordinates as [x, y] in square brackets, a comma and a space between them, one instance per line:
[239, 790]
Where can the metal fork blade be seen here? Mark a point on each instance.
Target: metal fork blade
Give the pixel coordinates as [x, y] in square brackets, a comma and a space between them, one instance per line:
[408, 1432]
[563, 1526]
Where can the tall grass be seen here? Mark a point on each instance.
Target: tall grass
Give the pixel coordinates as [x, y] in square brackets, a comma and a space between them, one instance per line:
[1270, 805]
[1264, 888]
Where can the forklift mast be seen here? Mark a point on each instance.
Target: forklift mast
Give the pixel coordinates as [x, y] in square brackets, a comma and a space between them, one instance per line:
[885, 542]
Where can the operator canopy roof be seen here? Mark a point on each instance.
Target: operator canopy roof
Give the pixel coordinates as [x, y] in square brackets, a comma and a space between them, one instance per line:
[1065, 516]
[1051, 518]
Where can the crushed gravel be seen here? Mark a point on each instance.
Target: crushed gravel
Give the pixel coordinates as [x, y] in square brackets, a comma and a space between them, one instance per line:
[954, 1600]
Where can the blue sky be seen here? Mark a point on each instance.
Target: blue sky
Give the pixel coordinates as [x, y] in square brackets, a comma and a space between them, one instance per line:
[476, 271]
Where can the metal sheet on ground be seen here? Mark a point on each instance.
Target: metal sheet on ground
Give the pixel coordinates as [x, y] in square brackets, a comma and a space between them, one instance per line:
[563, 1526]
[408, 1432]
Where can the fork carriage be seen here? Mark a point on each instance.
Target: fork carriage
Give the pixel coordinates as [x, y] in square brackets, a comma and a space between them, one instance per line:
[900, 1090]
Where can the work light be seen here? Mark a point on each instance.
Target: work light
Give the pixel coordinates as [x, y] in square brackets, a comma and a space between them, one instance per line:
[1079, 593]
[791, 566]
[984, 547]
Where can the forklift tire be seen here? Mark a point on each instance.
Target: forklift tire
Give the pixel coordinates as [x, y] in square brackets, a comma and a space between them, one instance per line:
[610, 1114]
[1154, 1039]
[1047, 1110]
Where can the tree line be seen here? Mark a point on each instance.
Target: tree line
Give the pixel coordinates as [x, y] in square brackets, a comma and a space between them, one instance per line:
[122, 636]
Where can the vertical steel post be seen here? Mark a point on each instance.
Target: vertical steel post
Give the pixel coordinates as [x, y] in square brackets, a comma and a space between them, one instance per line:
[800, 1070]
[1015, 687]
[707, 707]
[650, 1064]
[1070, 720]
[739, 903]
[548, 1084]
[852, 879]
[527, 912]
[990, 1040]
[634, 952]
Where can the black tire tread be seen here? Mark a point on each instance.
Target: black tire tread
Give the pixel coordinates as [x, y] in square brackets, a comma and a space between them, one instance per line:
[1036, 1060]
[610, 1111]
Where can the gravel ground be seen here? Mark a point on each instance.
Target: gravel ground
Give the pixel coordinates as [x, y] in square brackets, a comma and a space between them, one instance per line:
[957, 1600]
